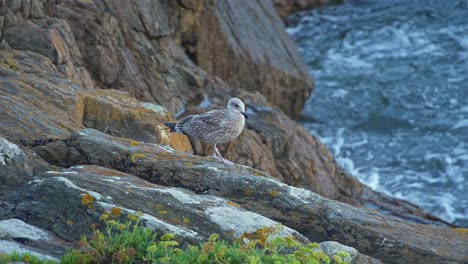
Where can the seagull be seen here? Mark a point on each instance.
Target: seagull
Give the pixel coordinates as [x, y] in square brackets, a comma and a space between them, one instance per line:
[214, 127]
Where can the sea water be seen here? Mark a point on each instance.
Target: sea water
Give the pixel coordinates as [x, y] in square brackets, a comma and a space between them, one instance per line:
[391, 96]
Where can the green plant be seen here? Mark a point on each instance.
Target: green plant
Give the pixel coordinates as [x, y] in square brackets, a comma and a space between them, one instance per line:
[25, 257]
[130, 242]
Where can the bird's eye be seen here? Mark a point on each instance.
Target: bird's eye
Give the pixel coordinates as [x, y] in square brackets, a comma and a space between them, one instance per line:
[236, 105]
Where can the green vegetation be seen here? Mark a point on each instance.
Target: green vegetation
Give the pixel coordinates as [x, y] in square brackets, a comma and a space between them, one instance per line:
[28, 258]
[131, 243]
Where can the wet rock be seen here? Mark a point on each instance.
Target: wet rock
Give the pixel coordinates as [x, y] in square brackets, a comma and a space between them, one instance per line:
[319, 219]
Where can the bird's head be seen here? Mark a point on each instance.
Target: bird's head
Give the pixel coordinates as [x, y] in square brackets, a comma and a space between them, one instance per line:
[235, 104]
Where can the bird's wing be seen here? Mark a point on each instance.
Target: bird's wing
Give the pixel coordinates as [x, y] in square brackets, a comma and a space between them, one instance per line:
[202, 125]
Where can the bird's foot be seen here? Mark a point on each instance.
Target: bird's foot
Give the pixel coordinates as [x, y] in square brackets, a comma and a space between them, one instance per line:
[223, 160]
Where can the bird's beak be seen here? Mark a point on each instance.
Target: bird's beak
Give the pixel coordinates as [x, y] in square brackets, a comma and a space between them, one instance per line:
[245, 115]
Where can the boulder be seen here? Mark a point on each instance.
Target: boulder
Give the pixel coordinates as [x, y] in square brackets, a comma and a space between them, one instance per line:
[132, 46]
[18, 236]
[319, 219]
[17, 166]
[246, 45]
[57, 207]
[47, 106]
[44, 106]
[82, 194]
[109, 44]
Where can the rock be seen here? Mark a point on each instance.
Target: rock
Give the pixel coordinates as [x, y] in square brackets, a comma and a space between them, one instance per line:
[26, 36]
[56, 55]
[288, 7]
[189, 216]
[332, 248]
[16, 235]
[319, 219]
[47, 107]
[17, 166]
[130, 47]
[9, 247]
[115, 113]
[279, 146]
[247, 46]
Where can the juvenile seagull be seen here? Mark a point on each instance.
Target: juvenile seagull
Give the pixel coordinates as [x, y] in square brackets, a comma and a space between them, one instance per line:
[214, 127]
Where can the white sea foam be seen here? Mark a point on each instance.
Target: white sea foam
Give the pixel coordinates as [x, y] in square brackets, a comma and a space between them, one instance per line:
[409, 71]
[461, 123]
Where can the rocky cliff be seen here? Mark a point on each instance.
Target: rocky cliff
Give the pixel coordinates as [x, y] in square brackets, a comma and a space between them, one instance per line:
[85, 87]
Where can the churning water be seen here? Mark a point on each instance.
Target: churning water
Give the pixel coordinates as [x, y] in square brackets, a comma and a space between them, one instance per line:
[391, 96]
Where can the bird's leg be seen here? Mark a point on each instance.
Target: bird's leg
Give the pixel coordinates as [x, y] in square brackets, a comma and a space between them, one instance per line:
[218, 156]
[217, 151]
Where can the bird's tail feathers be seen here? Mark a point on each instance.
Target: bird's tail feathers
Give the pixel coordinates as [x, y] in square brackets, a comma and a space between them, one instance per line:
[171, 126]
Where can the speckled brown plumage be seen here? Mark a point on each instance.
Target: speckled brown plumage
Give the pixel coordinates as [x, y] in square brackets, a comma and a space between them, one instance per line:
[214, 127]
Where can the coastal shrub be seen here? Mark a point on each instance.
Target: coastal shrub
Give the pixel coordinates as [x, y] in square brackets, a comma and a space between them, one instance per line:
[129, 242]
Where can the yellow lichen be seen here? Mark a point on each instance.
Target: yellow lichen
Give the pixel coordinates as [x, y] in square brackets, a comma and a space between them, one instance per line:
[257, 173]
[460, 230]
[116, 212]
[274, 193]
[11, 63]
[249, 192]
[69, 222]
[188, 164]
[136, 157]
[231, 203]
[87, 199]
[261, 234]
[135, 143]
[162, 212]
[186, 220]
